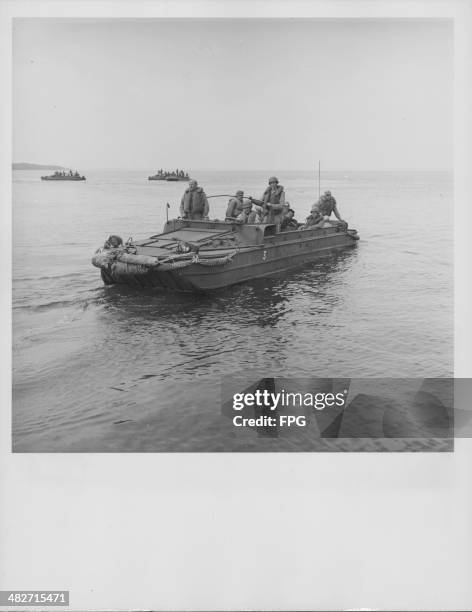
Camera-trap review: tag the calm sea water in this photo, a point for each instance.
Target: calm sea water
(100, 368)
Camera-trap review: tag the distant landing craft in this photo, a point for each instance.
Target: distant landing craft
(175, 175)
(64, 176)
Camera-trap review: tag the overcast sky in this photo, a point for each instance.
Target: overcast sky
(233, 94)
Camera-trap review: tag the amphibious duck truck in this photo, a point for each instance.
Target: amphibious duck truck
(193, 255)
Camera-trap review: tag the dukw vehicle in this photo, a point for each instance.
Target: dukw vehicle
(205, 255)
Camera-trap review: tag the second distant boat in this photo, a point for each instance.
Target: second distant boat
(64, 176)
(162, 175)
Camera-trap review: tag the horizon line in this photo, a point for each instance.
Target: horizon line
(315, 172)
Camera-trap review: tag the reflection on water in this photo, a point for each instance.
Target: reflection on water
(263, 302)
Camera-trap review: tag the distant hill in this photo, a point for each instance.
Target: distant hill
(26, 166)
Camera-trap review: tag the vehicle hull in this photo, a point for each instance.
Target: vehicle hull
(278, 253)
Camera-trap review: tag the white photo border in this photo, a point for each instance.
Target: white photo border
(205, 531)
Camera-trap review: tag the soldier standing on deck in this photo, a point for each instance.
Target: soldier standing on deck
(194, 203)
(274, 202)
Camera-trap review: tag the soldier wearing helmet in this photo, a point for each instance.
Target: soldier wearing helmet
(235, 205)
(325, 206)
(194, 203)
(274, 202)
(243, 216)
(289, 222)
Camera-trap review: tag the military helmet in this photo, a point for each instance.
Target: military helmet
(273, 179)
(113, 242)
(327, 193)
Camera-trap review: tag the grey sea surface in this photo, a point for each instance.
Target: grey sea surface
(115, 369)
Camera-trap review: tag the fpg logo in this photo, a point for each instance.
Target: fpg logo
(287, 420)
